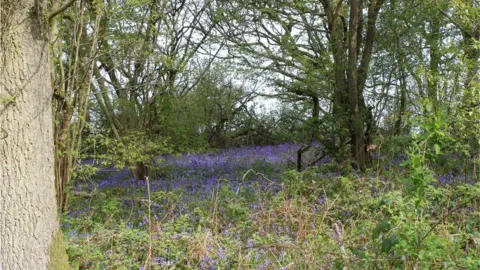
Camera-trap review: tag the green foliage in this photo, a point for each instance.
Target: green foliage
(409, 220)
(180, 120)
(119, 246)
(233, 208)
(133, 149)
(381, 227)
(84, 171)
(155, 81)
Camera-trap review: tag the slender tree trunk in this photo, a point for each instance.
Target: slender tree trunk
(471, 97)
(69, 134)
(105, 98)
(355, 92)
(402, 104)
(62, 164)
(105, 111)
(433, 41)
(29, 230)
(472, 56)
(316, 118)
(402, 69)
(337, 27)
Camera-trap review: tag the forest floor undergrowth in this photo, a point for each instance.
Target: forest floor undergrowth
(247, 208)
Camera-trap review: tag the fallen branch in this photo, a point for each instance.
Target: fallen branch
(85, 194)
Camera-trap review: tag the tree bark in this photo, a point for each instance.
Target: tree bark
(351, 71)
(355, 92)
(316, 118)
(472, 56)
(434, 41)
(106, 98)
(29, 228)
(402, 104)
(402, 97)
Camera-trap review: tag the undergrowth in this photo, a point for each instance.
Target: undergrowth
(241, 211)
(313, 222)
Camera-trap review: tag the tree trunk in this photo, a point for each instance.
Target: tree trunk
(472, 56)
(316, 118)
(29, 230)
(402, 104)
(62, 162)
(432, 82)
(351, 70)
(337, 27)
(141, 171)
(105, 111)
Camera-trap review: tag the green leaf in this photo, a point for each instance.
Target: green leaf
(389, 243)
(384, 226)
(405, 163)
(358, 252)
(339, 263)
(437, 149)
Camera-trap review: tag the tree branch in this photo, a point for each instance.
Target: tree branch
(59, 10)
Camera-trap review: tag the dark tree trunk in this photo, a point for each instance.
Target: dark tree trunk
(402, 106)
(141, 171)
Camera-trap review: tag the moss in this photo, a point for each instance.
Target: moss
(58, 254)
